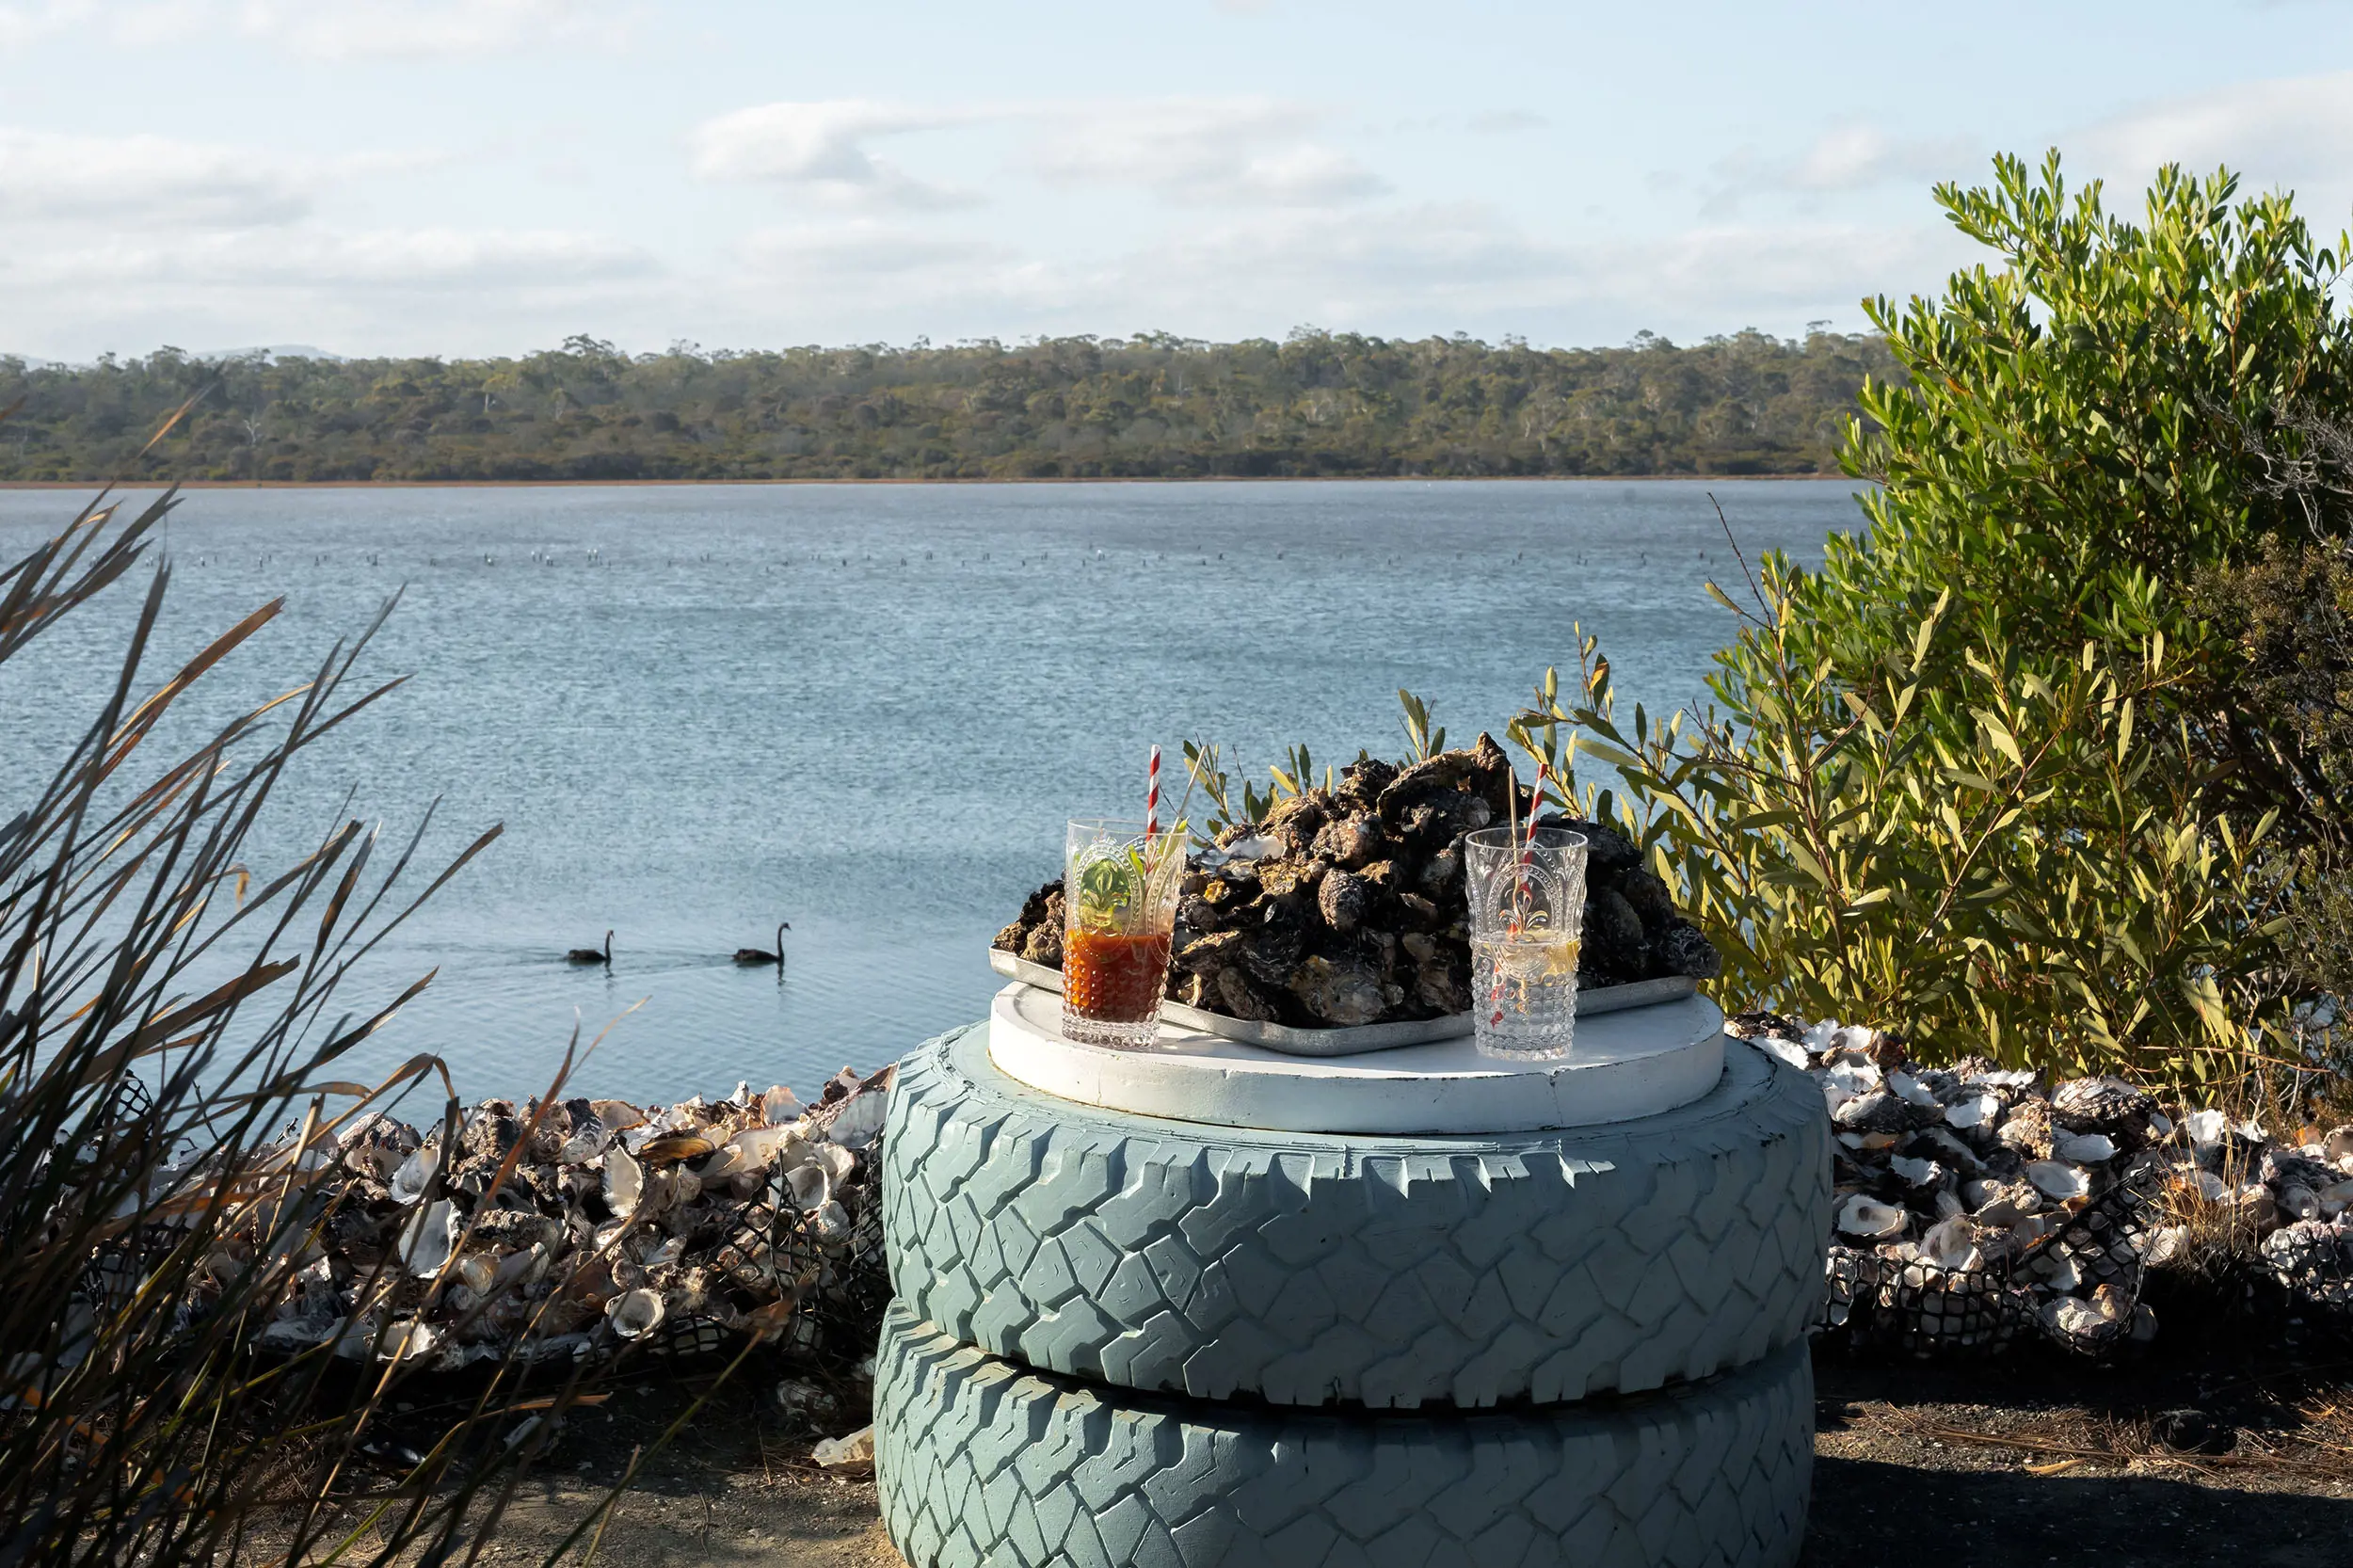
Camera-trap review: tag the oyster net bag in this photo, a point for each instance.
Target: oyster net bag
(1917, 1307)
(2105, 1243)
(841, 1284)
(118, 1265)
(2078, 1286)
(2310, 1269)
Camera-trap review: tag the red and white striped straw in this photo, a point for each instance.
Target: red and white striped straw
(1152, 798)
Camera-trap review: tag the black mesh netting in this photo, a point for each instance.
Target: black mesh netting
(838, 1284)
(2308, 1268)
(2078, 1284)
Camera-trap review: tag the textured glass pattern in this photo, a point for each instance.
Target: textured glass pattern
(1119, 902)
(1526, 915)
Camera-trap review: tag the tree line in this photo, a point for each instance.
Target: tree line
(1316, 404)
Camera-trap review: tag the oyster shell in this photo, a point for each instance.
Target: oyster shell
(1344, 900)
(408, 1340)
(1874, 1112)
(2083, 1148)
(1870, 1218)
(1952, 1244)
(854, 1452)
(426, 1240)
(624, 1182)
(809, 1187)
(2000, 1203)
(584, 1142)
(2071, 1318)
(2027, 1127)
(412, 1175)
(2057, 1180)
(1339, 994)
(860, 1120)
(1982, 1109)
(751, 1149)
(1911, 1091)
(635, 1313)
(2107, 1104)
(672, 1147)
(1917, 1172)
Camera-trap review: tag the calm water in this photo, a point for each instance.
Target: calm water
(866, 710)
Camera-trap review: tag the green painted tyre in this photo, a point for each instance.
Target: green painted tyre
(1389, 1273)
(983, 1463)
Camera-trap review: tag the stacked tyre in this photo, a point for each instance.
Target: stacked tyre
(1120, 1339)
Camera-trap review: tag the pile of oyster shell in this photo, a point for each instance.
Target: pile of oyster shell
(1971, 1200)
(1346, 907)
(679, 1227)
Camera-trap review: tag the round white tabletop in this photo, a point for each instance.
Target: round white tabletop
(1636, 1062)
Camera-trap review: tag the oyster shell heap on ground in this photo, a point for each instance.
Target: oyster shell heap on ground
(1346, 907)
(1975, 1201)
(596, 1225)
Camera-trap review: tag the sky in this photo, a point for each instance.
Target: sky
(489, 176)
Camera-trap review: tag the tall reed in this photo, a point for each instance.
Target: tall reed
(170, 1020)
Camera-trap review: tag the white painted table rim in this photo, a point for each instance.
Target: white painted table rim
(1626, 1065)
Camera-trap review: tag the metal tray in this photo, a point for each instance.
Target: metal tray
(1362, 1038)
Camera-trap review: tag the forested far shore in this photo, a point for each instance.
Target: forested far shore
(1316, 404)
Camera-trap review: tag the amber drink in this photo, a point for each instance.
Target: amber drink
(1119, 902)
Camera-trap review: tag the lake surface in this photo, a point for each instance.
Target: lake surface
(864, 708)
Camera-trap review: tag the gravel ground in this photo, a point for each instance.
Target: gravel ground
(2028, 1460)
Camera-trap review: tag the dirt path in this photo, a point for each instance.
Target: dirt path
(2047, 1462)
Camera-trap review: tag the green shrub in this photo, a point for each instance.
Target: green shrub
(2050, 892)
(2285, 626)
(1989, 774)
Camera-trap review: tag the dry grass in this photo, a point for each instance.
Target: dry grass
(2320, 1450)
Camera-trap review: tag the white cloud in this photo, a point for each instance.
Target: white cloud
(332, 29)
(145, 181)
(2294, 131)
(1841, 160)
(1771, 270)
(25, 24)
(817, 253)
(1196, 152)
(424, 290)
(1467, 263)
(342, 30)
(891, 279)
(317, 258)
(1413, 268)
(1854, 157)
(129, 240)
(1203, 151)
(820, 148)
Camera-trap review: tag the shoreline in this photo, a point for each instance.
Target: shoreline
(1153, 479)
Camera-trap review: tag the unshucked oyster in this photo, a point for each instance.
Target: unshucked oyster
(1345, 906)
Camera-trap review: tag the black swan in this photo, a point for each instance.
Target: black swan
(753, 955)
(590, 955)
